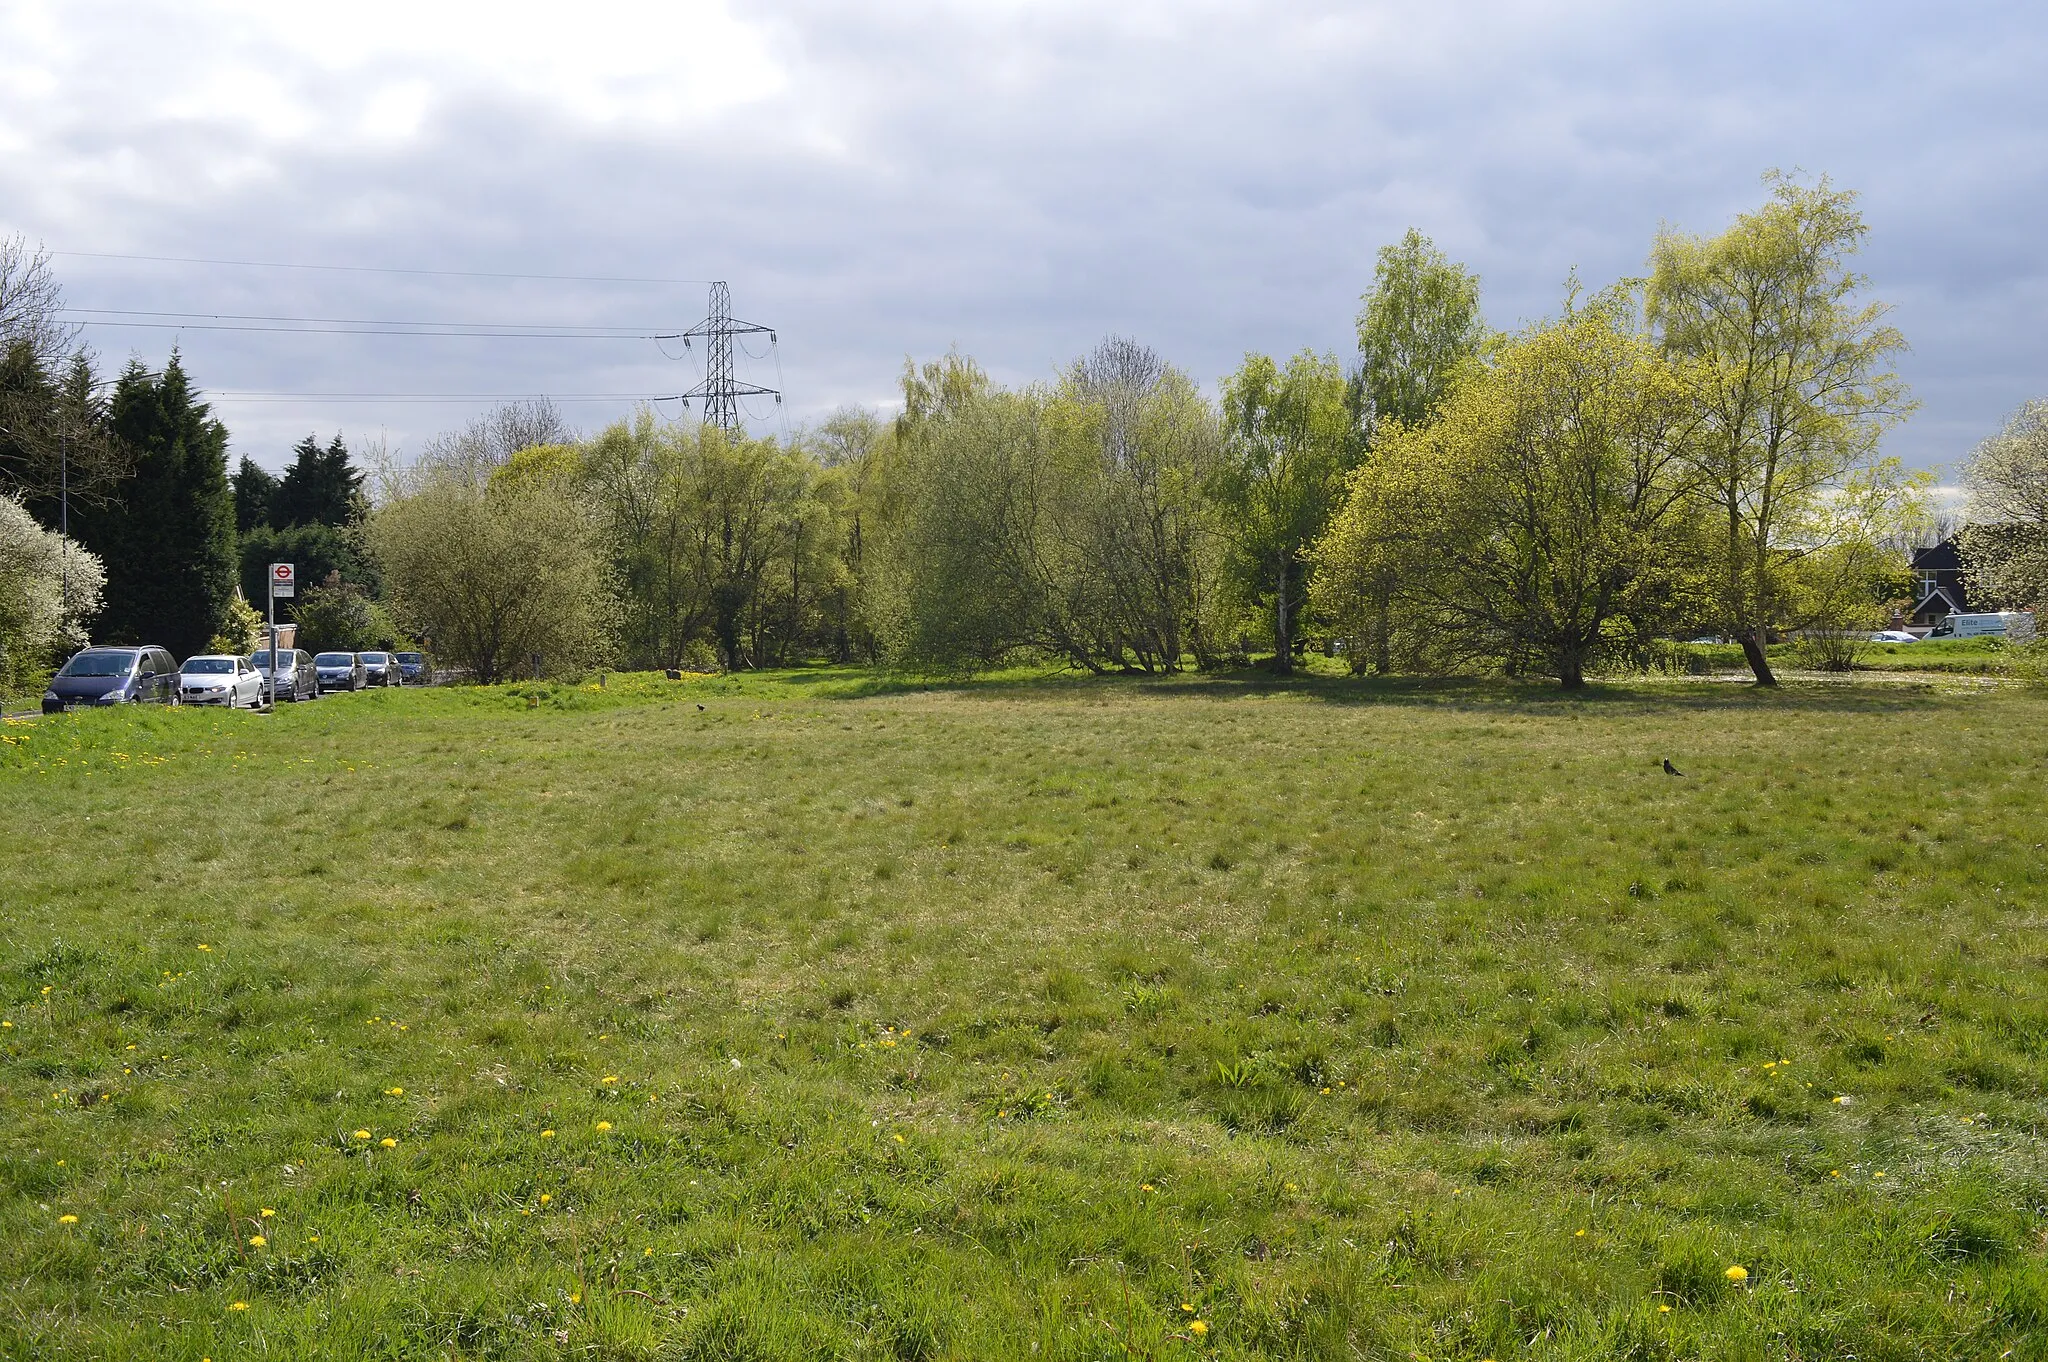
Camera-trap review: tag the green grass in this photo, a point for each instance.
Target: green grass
(1954, 656)
(1008, 1019)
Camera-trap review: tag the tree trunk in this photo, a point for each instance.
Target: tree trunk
(1759, 661)
(1571, 671)
(1283, 637)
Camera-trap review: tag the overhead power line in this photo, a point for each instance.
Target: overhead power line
(86, 313)
(260, 397)
(506, 334)
(373, 269)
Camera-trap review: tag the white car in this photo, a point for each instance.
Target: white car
(216, 680)
(1894, 636)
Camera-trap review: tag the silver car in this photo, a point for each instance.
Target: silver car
(217, 679)
(295, 679)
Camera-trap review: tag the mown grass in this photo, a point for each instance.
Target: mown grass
(854, 1016)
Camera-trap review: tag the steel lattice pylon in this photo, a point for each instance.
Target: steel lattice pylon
(721, 391)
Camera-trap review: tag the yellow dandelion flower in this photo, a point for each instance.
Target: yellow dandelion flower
(1578, 1234)
(1197, 1328)
(1188, 1308)
(547, 1134)
(257, 1241)
(546, 1197)
(394, 1092)
(1144, 1186)
(1736, 1273)
(67, 1220)
(575, 1298)
(312, 1238)
(266, 1213)
(362, 1134)
(388, 1143)
(1663, 1309)
(239, 1305)
(647, 1253)
(897, 1138)
(609, 1078)
(604, 1125)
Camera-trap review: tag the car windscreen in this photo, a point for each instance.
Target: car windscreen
(335, 660)
(209, 666)
(261, 661)
(410, 657)
(374, 659)
(99, 663)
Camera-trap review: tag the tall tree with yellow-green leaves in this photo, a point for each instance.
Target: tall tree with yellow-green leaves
(1788, 376)
(1538, 522)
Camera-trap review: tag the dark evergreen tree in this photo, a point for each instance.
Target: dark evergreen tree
(320, 487)
(255, 490)
(169, 544)
(318, 551)
(27, 401)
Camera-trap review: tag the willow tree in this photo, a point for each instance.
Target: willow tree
(2008, 537)
(1789, 380)
(1540, 516)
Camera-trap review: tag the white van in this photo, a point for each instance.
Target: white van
(2019, 624)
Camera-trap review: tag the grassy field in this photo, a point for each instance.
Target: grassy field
(817, 1016)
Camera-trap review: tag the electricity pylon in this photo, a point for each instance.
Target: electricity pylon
(720, 391)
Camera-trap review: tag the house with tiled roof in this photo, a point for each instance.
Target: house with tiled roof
(1940, 584)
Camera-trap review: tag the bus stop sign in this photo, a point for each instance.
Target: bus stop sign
(283, 580)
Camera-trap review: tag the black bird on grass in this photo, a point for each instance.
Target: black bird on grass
(700, 710)
(1671, 770)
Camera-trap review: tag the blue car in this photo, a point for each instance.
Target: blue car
(113, 676)
(412, 669)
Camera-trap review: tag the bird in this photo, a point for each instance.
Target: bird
(700, 709)
(1671, 770)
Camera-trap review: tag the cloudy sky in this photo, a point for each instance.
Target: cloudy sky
(1017, 179)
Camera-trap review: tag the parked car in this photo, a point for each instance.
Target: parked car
(295, 678)
(379, 669)
(338, 671)
(413, 669)
(113, 676)
(219, 679)
(1894, 636)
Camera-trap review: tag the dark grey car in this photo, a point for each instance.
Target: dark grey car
(380, 669)
(338, 671)
(295, 679)
(113, 676)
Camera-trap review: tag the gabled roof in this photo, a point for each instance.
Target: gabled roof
(1939, 593)
(1942, 557)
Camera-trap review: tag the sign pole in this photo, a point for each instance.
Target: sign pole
(283, 582)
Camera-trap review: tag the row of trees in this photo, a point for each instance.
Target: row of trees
(1693, 451)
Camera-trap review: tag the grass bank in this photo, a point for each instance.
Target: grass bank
(836, 1015)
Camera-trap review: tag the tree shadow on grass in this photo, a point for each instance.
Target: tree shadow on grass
(1456, 692)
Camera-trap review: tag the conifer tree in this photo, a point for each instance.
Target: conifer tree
(255, 491)
(320, 487)
(169, 544)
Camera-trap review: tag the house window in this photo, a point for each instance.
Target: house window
(1929, 584)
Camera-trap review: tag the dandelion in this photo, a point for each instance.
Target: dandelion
(204, 947)
(257, 1241)
(362, 1134)
(647, 1253)
(1197, 1328)
(1189, 1309)
(609, 1078)
(312, 1238)
(267, 1213)
(388, 1143)
(547, 1134)
(575, 1298)
(546, 1197)
(239, 1305)
(897, 1138)
(1144, 1186)
(67, 1220)
(1578, 1234)
(394, 1092)
(1664, 1309)
(47, 989)
(604, 1125)
(1736, 1273)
